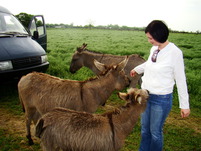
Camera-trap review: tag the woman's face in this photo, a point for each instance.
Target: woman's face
(151, 40)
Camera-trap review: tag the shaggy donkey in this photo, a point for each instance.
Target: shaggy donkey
(84, 57)
(39, 92)
(70, 130)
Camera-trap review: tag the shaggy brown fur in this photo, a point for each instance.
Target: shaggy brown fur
(79, 131)
(40, 92)
(83, 57)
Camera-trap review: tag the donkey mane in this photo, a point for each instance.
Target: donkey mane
(95, 52)
(83, 48)
(103, 54)
(97, 77)
(84, 81)
(118, 110)
(92, 51)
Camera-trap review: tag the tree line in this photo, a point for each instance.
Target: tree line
(26, 18)
(110, 26)
(90, 26)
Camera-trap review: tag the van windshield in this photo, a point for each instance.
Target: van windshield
(9, 24)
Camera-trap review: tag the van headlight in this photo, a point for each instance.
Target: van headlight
(44, 59)
(6, 65)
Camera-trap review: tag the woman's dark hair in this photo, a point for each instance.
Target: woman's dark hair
(158, 30)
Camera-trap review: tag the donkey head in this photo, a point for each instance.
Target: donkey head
(77, 59)
(135, 96)
(115, 73)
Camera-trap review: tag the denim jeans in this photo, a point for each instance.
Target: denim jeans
(152, 121)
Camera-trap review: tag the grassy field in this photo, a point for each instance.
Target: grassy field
(179, 134)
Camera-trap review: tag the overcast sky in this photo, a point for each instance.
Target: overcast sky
(181, 15)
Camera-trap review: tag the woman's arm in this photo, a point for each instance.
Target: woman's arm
(138, 70)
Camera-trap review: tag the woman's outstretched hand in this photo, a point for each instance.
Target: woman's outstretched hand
(133, 73)
(185, 112)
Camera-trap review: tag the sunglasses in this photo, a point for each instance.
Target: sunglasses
(154, 56)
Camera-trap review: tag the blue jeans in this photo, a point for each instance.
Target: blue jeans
(152, 120)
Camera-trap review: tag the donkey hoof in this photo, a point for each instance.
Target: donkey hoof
(31, 142)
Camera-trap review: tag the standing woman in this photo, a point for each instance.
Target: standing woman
(164, 67)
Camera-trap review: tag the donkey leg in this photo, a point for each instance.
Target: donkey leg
(28, 127)
(136, 81)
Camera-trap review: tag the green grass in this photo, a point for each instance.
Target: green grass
(179, 136)
(9, 98)
(180, 143)
(10, 142)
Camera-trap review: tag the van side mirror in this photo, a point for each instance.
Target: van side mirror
(35, 35)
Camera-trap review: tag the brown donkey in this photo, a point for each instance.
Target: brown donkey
(84, 57)
(39, 92)
(64, 129)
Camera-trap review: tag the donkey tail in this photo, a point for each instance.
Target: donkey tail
(22, 104)
(39, 128)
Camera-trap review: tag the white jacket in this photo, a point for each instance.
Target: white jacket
(160, 76)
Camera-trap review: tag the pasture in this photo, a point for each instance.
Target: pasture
(179, 134)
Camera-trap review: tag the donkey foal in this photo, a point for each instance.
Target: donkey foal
(70, 130)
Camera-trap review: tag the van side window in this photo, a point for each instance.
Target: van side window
(37, 25)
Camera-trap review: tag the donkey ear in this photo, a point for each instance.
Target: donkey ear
(138, 98)
(79, 49)
(84, 46)
(123, 96)
(122, 64)
(100, 66)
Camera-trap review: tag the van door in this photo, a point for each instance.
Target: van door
(37, 30)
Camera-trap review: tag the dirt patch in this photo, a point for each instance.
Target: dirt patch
(189, 122)
(15, 125)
